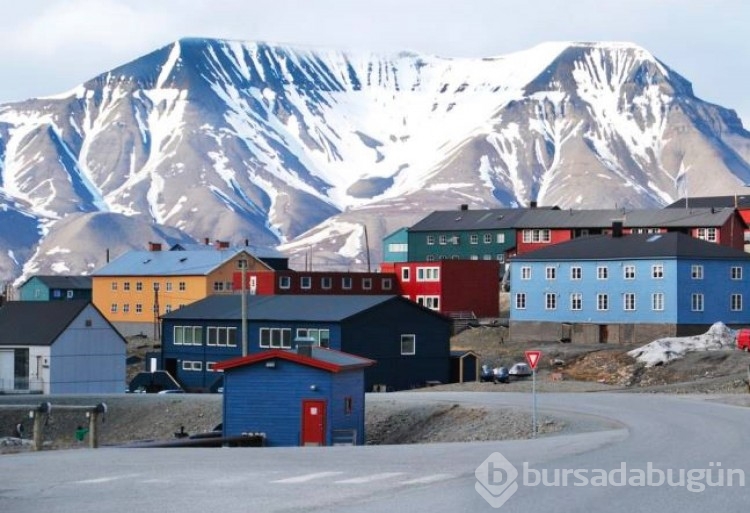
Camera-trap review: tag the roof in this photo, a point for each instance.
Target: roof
(21, 321)
(257, 251)
(63, 282)
(285, 307)
(485, 219)
(737, 201)
(168, 263)
(637, 246)
(322, 358)
(656, 218)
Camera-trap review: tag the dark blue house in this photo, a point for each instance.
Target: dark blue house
(55, 288)
(410, 343)
(311, 396)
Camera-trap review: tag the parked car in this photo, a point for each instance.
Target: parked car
(520, 369)
(495, 375)
(743, 339)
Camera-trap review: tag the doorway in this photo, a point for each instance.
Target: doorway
(313, 422)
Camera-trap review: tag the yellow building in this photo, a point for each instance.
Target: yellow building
(135, 289)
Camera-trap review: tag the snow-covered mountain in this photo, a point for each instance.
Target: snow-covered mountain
(316, 150)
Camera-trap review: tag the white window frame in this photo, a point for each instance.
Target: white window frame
(487, 238)
(576, 272)
(275, 338)
(474, 238)
(346, 282)
(697, 303)
(628, 302)
(657, 271)
(602, 302)
(735, 302)
(526, 272)
(628, 272)
(550, 272)
(736, 272)
(431, 302)
(696, 272)
(430, 240)
(405, 273)
(285, 282)
(657, 301)
(326, 282)
(708, 234)
(366, 283)
(500, 238)
(305, 282)
(520, 301)
(386, 283)
(550, 301)
(602, 272)
(408, 340)
(576, 301)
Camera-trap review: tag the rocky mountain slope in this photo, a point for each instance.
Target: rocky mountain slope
(317, 151)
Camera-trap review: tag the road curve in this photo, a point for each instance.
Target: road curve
(638, 432)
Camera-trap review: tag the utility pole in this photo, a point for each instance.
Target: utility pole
(156, 312)
(243, 308)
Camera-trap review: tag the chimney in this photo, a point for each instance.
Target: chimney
(464, 206)
(154, 246)
(247, 242)
(304, 348)
(616, 229)
(532, 204)
(206, 241)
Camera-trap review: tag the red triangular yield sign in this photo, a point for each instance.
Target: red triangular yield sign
(532, 357)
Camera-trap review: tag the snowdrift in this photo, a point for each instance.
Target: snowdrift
(719, 337)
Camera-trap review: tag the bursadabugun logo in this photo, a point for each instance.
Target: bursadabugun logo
(496, 479)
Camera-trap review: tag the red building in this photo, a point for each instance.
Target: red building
(451, 286)
(318, 282)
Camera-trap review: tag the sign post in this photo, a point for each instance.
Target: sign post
(532, 358)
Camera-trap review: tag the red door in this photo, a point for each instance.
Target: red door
(313, 422)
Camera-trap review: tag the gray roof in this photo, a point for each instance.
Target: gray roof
(639, 246)
(63, 282)
(36, 323)
(736, 201)
(167, 263)
(313, 308)
(464, 220)
(257, 251)
(642, 218)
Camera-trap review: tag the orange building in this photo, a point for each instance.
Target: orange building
(135, 289)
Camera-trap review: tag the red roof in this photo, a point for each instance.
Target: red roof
(325, 359)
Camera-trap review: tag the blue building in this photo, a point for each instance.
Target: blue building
(396, 246)
(629, 289)
(55, 288)
(410, 343)
(311, 396)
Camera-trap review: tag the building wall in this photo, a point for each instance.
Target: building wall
(369, 336)
(88, 357)
(312, 282)
(587, 333)
(717, 286)
(556, 236)
(396, 246)
(458, 245)
(34, 290)
(278, 392)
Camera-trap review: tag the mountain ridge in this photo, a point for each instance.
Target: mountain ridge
(305, 148)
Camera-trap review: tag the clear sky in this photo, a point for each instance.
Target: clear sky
(50, 46)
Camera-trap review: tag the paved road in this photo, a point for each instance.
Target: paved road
(669, 432)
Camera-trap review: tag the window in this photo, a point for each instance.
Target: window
(696, 272)
(218, 286)
(576, 301)
(628, 301)
(386, 283)
(210, 366)
(322, 337)
(126, 308)
(657, 271)
(139, 286)
(430, 240)
(221, 336)
(126, 286)
(56, 293)
(69, 294)
(474, 238)
(408, 344)
(736, 272)
(500, 257)
(708, 234)
(188, 365)
(696, 302)
(521, 301)
(500, 238)
(442, 240)
(168, 286)
(550, 301)
(181, 286)
(628, 272)
(736, 303)
(242, 263)
(168, 309)
(276, 337)
(346, 282)
(431, 302)
(285, 282)
(114, 285)
(398, 247)
(348, 405)
(138, 308)
(602, 302)
(602, 272)
(428, 274)
(525, 273)
(188, 335)
(113, 308)
(576, 273)
(657, 301)
(536, 235)
(156, 285)
(366, 283)
(326, 282)
(488, 238)
(405, 274)
(550, 272)
(305, 282)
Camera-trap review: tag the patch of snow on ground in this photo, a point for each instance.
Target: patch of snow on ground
(719, 337)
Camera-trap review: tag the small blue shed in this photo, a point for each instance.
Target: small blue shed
(311, 396)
